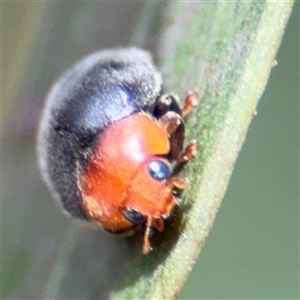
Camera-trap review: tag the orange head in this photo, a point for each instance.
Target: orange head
(128, 180)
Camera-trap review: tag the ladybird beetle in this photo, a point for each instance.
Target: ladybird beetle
(107, 139)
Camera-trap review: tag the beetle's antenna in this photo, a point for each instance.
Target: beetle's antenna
(146, 246)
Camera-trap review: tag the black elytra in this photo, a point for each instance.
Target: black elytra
(100, 89)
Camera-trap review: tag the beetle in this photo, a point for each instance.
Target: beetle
(107, 138)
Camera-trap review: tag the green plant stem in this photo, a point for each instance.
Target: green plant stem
(225, 51)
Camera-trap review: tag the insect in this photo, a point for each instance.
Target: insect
(107, 139)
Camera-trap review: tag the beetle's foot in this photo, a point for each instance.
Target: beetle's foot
(189, 152)
(189, 103)
(178, 182)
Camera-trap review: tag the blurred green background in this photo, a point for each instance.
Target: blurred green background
(253, 249)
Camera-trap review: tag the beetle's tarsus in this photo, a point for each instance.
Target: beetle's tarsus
(189, 103)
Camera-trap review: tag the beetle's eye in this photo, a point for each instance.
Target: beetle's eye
(159, 170)
(133, 216)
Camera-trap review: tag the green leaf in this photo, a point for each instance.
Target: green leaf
(225, 51)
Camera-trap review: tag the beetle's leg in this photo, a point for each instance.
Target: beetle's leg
(189, 151)
(173, 125)
(165, 103)
(190, 102)
(178, 182)
(170, 102)
(170, 121)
